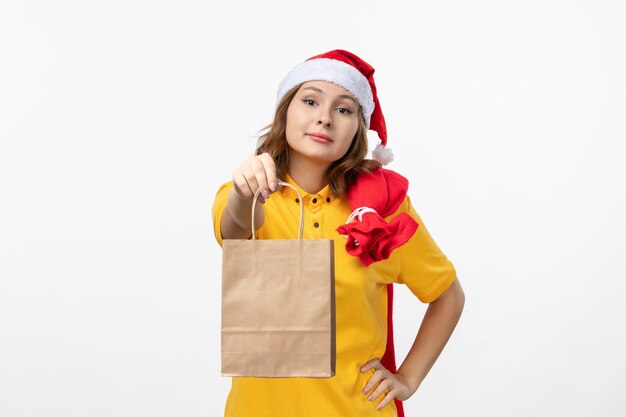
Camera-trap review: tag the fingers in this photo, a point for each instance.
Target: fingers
(381, 382)
(372, 363)
(383, 387)
(270, 170)
(243, 187)
(256, 173)
(391, 395)
(375, 379)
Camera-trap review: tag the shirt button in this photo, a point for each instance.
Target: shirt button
(316, 224)
(328, 199)
(297, 200)
(314, 200)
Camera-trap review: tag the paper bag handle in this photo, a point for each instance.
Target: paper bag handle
(256, 195)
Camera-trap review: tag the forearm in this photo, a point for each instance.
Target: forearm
(237, 217)
(438, 324)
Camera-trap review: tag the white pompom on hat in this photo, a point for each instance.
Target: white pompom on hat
(355, 75)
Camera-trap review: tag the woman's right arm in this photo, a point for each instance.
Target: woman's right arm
(257, 172)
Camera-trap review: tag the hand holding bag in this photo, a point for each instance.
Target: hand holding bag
(278, 306)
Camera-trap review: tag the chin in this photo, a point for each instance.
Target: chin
(319, 155)
(324, 156)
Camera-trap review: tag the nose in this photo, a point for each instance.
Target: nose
(324, 118)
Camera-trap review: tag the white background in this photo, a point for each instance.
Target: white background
(120, 119)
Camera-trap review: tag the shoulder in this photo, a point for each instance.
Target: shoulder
(221, 196)
(397, 188)
(224, 188)
(219, 205)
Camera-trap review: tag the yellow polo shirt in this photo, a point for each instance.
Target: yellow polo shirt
(361, 307)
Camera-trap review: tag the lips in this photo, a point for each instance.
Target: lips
(320, 137)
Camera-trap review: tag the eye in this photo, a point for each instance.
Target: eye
(309, 102)
(343, 110)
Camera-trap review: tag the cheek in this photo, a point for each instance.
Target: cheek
(349, 134)
(292, 120)
(289, 124)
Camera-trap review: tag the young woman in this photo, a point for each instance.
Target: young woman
(318, 143)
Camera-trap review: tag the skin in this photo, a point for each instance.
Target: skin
(323, 108)
(437, 325)
(319, 107)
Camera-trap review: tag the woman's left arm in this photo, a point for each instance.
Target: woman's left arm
(438, 324)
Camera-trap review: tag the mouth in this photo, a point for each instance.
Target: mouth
(319, 137)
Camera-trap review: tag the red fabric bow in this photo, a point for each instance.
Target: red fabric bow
(371, 238)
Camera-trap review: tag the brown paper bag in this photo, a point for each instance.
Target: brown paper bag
(278, 306)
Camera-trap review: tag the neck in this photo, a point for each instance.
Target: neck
(309, 175)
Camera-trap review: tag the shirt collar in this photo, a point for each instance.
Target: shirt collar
(325, 194)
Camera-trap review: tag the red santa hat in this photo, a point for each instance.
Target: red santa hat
(355, 75)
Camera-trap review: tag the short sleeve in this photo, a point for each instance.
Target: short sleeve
(219, 204)
(424, 268)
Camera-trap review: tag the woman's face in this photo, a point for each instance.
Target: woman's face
(322, 120)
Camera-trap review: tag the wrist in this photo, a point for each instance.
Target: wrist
(239, 209)
(412, 382)
(235, 197)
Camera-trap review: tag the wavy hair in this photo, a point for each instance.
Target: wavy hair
(341, 173)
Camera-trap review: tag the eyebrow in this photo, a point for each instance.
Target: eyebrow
(341, 95)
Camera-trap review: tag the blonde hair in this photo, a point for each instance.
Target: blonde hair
(341, 173)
